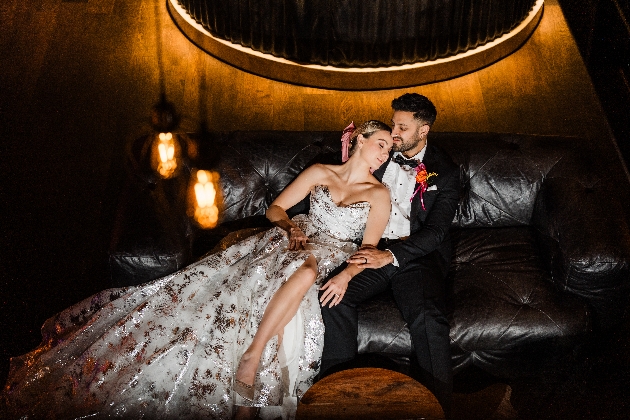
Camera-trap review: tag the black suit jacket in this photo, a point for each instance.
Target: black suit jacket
(430, 226)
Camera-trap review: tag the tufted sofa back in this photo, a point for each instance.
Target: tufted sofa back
(256, 166)
(502, 175)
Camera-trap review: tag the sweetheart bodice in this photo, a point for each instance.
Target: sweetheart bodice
(344, 222)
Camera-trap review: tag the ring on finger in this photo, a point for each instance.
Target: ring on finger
(365, 258)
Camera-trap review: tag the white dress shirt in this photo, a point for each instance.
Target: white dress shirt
(401, 182)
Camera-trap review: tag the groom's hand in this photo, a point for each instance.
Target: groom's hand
(370, 257)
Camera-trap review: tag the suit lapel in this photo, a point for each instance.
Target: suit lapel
(432, 163)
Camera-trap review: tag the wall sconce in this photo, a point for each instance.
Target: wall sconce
(205, 198)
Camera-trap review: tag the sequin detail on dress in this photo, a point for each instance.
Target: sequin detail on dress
(169, 348)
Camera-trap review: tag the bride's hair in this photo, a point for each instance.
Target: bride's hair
(367, 129)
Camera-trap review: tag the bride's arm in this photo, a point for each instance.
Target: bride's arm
(278, 216)
(291, 195)
(380, 208)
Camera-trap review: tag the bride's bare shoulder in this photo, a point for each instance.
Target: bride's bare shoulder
(317, 170)
(320, 174)
(378, 191)
(329, 172)
(327, 167)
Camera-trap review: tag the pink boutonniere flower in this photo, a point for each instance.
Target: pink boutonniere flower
(422, 179)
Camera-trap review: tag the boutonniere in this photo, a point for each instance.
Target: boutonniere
(422, 179)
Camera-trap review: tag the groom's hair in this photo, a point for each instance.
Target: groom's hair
(422, 108)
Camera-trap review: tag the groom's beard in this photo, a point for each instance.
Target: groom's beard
(403, 146)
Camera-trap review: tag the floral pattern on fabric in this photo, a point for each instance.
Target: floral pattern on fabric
(169, 348)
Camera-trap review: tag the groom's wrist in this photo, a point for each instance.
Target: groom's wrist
(394, 261)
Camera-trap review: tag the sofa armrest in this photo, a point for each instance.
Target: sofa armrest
(584, 230)
(151, 236)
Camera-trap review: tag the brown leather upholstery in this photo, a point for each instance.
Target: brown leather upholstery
(541, 239)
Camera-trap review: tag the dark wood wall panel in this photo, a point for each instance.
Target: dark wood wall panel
(602, 33)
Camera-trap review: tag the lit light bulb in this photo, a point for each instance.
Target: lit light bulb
(202, 176)
(167, 163)
(162, 150)
(206, 208)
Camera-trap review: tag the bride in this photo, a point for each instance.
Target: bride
(237, 330)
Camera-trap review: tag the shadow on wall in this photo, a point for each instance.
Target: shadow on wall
(602, 33)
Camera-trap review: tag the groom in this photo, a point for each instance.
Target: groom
(413, 256)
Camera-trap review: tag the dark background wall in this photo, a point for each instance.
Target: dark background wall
(601, 29)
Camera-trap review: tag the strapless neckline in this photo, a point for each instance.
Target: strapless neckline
(341, 205)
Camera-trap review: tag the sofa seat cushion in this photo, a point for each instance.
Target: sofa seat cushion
(504, 299)
(382, 328)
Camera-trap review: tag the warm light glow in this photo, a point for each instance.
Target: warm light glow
(355, 78)
(167, 159)
(202, 176)
(206, 203)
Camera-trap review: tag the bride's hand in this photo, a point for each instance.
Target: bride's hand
(334, 290)
(297, 239)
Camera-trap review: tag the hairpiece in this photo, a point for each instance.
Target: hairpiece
(345, 141)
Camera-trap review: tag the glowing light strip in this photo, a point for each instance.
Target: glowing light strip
(470, 54)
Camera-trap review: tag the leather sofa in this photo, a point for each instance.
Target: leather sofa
(541, 257)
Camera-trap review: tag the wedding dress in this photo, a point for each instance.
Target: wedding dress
(169, 348)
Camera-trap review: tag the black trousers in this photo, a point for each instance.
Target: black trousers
(419, 292)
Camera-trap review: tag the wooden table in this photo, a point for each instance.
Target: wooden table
(368, 393)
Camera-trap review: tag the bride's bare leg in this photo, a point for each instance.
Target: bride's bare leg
(282, 307)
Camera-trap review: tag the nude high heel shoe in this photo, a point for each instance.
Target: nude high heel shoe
(244, 390)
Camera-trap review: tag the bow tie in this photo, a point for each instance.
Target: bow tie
(402, 161)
